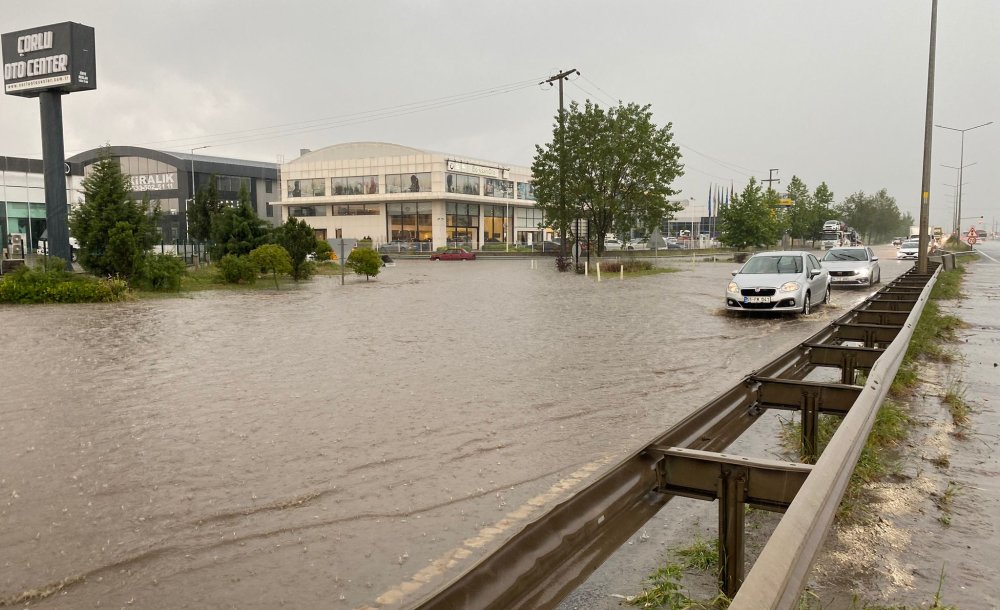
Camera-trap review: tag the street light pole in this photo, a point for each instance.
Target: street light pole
(958, 194)
(961, 165)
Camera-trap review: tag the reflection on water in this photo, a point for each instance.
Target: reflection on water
(322, 446)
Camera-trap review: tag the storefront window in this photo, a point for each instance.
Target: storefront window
(315, 187)
(493, 222)
(463, 225)
(410, 222)
(526, 190)
(460, 183)
(498, 188)
(408, 183)
(355, 185)
(528, 218)
(307, 210)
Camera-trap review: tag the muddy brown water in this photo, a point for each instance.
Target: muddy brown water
(339, 446)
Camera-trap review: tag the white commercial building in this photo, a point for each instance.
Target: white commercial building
(410, 199)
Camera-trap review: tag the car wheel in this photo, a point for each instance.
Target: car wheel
(806, 305)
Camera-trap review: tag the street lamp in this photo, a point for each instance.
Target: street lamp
(961, 161)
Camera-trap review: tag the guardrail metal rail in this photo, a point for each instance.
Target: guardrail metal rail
(551, 556)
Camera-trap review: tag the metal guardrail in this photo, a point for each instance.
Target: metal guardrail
(554, 554)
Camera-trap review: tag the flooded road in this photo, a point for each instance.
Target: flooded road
(339, 446)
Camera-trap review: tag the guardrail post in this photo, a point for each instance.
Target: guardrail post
(810, 425)
(732, 491)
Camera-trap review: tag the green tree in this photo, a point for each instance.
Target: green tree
(299, 240)
(237, 230)
(365, 262)
(273, 258)
(203, 210)
(108, 211)
(749, 220)
(323, 250)
(618, 168)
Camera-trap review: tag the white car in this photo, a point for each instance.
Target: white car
(612, 244)
(852, 266)
(637, 244)
(909, 249)
(779, 281)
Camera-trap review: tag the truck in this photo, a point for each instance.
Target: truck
(938, 234)
(834, 239)
(914, 232)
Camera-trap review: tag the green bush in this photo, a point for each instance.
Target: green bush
(162, 272)
(631, 266)
(50, 284)
(364, 262)
(236, 269)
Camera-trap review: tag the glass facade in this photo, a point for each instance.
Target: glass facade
(498, 188)
(463, 225)
(307, 187)
(409, 222)
(528, 218)
(526, 190)
(357, 209)
(355, 185)
(307, 210)
(494, 222)
(408, 183)
(460, 183)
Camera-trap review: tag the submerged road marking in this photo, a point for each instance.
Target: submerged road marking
(487, 534)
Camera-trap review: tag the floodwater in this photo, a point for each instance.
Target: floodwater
(339, 446)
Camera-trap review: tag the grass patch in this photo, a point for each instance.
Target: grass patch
(954, 399)
(664, 588)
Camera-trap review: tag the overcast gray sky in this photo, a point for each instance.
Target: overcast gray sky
(828, 91)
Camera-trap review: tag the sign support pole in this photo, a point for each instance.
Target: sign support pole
(53, 164)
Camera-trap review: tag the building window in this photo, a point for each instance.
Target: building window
(409, 222)
(270, 209)
(494, 222)
(232, 184)
(306, 187)
(357, 209)
(268, 186)
(528, 218)
(463, 225)
(355, 185)
(408, 183)
(526, 190)
(460, 183)
(307, 210)
(498, 188)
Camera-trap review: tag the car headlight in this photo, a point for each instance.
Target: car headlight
(733, 287)
(861, 272)
(789, 287)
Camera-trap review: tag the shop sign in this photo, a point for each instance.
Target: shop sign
(478, 170)
(153, 182)
(56, 57)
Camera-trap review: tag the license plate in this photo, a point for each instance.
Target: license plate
(756, 299)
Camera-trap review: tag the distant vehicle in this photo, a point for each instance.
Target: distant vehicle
(915, 232)
(784, 281)
(43, 246)
(672, 245)
(639, 243)
(612, 244)
(835, 226)
(908, 249)
(548, 246)
(834, 239)
(897, 241)
(454, 254)
(397, 246)
(852, 266)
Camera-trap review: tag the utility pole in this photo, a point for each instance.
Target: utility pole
(925, 183)
(770, 178)
(958, 195)
(562, 173)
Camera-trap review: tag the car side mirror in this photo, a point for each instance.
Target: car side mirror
(735, 272)
(815, 272)
(874, 258)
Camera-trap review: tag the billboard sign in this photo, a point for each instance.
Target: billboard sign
(56, 57)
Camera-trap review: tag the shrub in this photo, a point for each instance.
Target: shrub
(274, 258)
(46, 285)
(236, 269)
(364, 262)
(162, 272)
(323, 250)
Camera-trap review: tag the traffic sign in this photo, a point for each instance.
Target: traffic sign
(971, 239)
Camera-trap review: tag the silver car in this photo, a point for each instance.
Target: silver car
(908, 249)
(852, 266)
(779, 281)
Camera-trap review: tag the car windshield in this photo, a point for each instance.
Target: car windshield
(773, 264)
(854, 254)
(911, 244)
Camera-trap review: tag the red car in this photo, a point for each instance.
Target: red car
(454, 254)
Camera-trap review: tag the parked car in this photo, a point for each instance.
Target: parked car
(639, 243)
(549, 246)
(454, 254)
(779, 281)
(852, 266)
(908, 249)
(612, 244)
